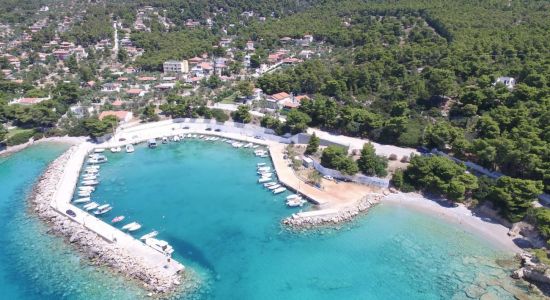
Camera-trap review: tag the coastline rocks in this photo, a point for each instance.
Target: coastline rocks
(346, 214)
(89, 244)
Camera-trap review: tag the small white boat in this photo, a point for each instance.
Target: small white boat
(129, 148)
(293, 196)
(86, 188)
(176, 138)
(164, 140)
(98, 160)
(152, 143)
(275, 186)
(116, 149)
(295, 202)
(264, 179)
(90, 182)
(159, 245)
(264, 169)
(90, 206)
(255, 146)
(149, 235)
(200, 136)
(265, 174)
(117, 219)
(279, 190)
(84, 194)
(89, 177)
(248, 145)
(131, 226)
(82, 200)
(99, 150)
(260, 165)
(264, 156)
(270, 183)
(94, 167)
(189, 135)
(103, 209)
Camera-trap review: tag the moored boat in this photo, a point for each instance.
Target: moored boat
(99, 150)
(279, 190)
(90, 206)
(270, 183)
(264, 179)
(117, 219)
(115, 149)
(272, 187)
(132, 226)
(152, 143)
(295, 202)
(159, 245)
(90, 182)
(129, 148)
(82, 200)
(103, 209)
(149, 235)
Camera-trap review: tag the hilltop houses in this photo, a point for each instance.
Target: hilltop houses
(509, 82)
(175, 67)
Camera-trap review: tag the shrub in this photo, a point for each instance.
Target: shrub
(392, 157)
(20, 138)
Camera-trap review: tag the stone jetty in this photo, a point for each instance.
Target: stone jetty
(331, 216)
(95, 248)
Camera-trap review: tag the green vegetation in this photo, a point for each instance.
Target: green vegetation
(335, 157)
(242, 114)
(514, 196)
(439, 175)
(313, 145)
(98, 128)
(371, 164)
(20, 137)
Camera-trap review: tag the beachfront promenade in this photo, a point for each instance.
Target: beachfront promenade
(62, 203)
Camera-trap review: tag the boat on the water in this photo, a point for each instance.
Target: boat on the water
(82, 200)
(293, 196)
(262, 169)
(102, 209)
(264, 179)
(132, 226)
(272, 187)
(260, 164)
(129, 148)
(152, 143)
(86, 188)
(84, 193)
(98, 160)
(279, 190)
(90, 182)
(159, 245)
(270, 183)
(117, 219)
(116, 149)
(90, 206)
(176, 138)
(248, 145)
(266, 174)
(99, 150)
(164, 140)
(149, 235)
(295, 202)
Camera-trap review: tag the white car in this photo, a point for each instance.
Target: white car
(328, 177)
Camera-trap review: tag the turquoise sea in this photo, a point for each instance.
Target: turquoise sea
(204, 200)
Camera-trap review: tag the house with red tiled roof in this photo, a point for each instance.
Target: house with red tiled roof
(146, 78)
(121, 115)
(278, 97)
(29, 101)
(135, 92)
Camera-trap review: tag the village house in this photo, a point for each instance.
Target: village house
(509, 82)
(175, 67)
(110, 87)
(249, 46)
(29, 101)
(225, 42)
(80, 111)
(122, 116)
(61, 54)
(136, 92)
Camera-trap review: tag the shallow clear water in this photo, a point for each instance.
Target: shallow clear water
(203, 199)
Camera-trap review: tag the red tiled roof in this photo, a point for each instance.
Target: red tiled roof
(280, 96)
(120, 115)
(134, 91)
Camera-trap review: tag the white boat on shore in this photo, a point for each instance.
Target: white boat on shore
(279, 190)
(149, 235)
(275, 186)
(132, 226)
(116, 149)
(129, 148)
(159, 245)
(90, 206)
(82, 200)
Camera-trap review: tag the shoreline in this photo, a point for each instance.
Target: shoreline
(71, 140)
(95, 248)
(494, 233)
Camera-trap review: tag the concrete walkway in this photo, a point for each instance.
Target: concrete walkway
(62, 202)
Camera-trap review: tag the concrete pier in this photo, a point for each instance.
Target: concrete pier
(61, 202)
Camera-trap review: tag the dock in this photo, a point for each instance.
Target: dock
(61, 202)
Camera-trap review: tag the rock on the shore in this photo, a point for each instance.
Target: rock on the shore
(93, 247)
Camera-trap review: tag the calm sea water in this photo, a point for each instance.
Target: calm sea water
(203, 199)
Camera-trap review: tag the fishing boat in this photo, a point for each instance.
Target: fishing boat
(248, 145)
(117, 219)
(82, 200)
(293, 196)
(152, 143)
(260, 164)
(149, 235)
(98, 160)
(255, 146)
(176, 138)
(270, 183)
(264, 179)
(164, 140)
(264, 156)
(86, 188)
(131, 226)
(266, 174)
(160, 245)
(99, 150)
(275, 186)
(89, 177)
(267, 169)
(279, 190)
(115, 149)
(90, 206)
(84, 194)
(129, 148)
(102, 209)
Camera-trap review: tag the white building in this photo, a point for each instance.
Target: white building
(174, 66)
(509, 82)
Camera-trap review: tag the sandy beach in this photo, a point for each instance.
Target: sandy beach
(72, 140)
(495, 233)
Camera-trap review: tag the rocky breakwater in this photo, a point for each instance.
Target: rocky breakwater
(97, 250)
(534, 271)
(331, 216)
